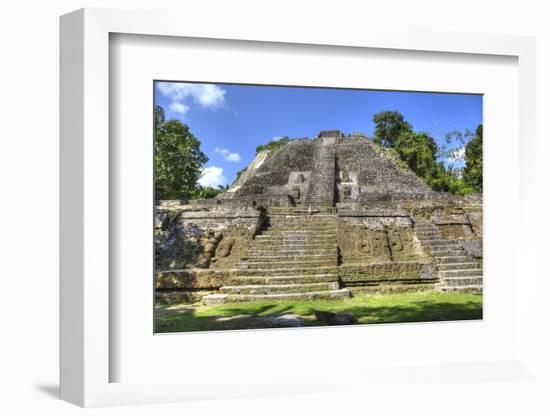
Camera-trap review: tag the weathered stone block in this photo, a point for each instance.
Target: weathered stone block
(411, 272)
(474, 248)
(190, 279)
(214, 299)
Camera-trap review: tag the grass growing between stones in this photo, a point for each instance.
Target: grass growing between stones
(368, 309)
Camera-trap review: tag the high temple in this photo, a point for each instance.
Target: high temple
(319, 218)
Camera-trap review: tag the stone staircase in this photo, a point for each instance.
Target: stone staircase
(321, 184)
(457, 271)
(295, 257)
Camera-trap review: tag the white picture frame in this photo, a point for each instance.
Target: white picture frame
(86, 356)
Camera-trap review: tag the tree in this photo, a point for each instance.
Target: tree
(419, 151)
(473, 170)
(388, 126)
(178, 158)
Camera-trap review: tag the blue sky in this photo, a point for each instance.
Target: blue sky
(231, 120)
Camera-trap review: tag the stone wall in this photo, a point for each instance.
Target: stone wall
(365, 238)
(388, 276)
(187, 238)
(190, 279)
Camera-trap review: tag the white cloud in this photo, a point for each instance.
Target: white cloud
(227, 154)
(212, 176)
(458, 154)
(207, 96)
(456, 157)
(178, 107)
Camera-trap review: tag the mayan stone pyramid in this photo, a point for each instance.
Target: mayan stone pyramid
(319, 218)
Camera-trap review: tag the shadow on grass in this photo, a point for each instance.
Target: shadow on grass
(243, 314)
(420, 311)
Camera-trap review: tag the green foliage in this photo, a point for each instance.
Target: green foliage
(448, 179)
(273, 145)
(473, 171)
(420, 153)
(388, 127)
(207, 192)
(178, 158)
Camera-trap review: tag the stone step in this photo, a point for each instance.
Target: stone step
(445, 252)
(462, 281)
(270, 256)
(428, 232)
(281, 288)
(313, 210)
(298, 248)
(321, 225)
(452, 259)
(285, 271)
(297, 234)
(291, 215)
(291, 250)
(430, 239)
(466, 289)
(316, 217)
(282, 280)
(293, 245)
(300, 230)
(440, 242)
(326, 294)
(294, 240)
(458, 266)
(443, 246)
(296, 237)
(289, 264)
(303, 224)
(288, 248)
(457, 250)
(461, 273)
(299, 223)
(303, 221)
(428, 235)
(284, 257)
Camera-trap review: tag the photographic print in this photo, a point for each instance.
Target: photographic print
(288, 206)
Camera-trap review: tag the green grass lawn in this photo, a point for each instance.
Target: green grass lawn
(368, 309)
